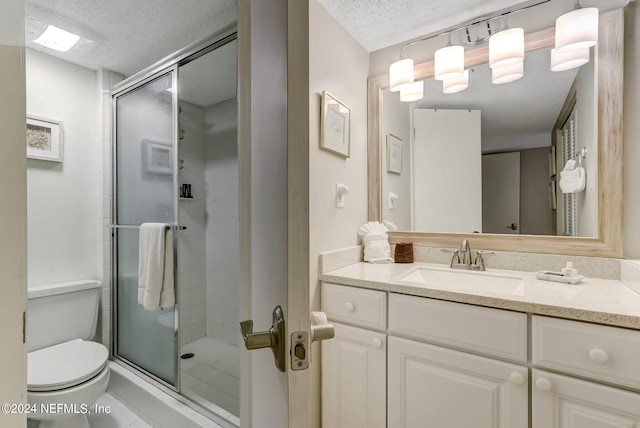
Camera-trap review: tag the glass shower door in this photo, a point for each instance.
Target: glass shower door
(145, 191)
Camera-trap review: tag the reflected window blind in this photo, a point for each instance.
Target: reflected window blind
(569, 209)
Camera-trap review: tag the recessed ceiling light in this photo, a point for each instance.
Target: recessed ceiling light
(57, 39)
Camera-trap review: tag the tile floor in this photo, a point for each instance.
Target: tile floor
(119, 415)
(212, 376)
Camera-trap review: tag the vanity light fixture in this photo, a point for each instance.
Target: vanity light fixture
(414, 92)
(508, 74)
(569, 60)
(401, 74)
(449, 62)
(506, 48)
(577, 30)
(452, 86)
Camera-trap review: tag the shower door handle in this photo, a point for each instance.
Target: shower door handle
(274, 338)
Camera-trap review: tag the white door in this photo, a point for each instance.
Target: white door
(430, 386)
(501, 193)
(564, 402)
(273, 156)
(354, 379)
(13, 211)
(447, 171)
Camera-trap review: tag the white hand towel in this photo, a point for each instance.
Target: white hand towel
(376, 242)
(155, 267)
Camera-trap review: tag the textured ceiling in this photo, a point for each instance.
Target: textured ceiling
(379, 23)
(134, 34)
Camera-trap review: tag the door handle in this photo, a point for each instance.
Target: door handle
(274, 338)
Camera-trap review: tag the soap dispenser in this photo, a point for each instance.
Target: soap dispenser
(569, 270)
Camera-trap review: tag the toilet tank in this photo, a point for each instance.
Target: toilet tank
(57, 313)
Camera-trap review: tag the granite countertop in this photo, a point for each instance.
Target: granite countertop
(595, 300)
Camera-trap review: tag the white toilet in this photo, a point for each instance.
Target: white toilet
(66, 372)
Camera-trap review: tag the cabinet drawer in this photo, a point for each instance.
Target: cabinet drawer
(483, 330)
(606, 353)
(357, 306)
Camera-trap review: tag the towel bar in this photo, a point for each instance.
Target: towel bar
(132, 226)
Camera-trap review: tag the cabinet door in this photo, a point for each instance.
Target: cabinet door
(563, 402)
(434, 387)
(354, 379)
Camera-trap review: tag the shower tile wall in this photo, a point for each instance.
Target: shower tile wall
(221, 176)
(191, 242)
(106, 80)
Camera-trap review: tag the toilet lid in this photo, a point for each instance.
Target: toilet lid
(64, 365)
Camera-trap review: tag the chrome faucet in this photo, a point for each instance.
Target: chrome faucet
(465, 251)
(463, 259)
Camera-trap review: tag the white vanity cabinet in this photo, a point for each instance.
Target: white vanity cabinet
(606, 354)
(354, 362)
(432, 386)
(402, 361)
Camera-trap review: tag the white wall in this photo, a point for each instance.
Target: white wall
(13, 212)
(632, 132)
(63, 197)
(338, 64)
(223, 266)
(396, 120)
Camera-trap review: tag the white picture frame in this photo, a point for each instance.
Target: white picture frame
(157, 157)
(44, 139)
(335, 125)
(394, 154)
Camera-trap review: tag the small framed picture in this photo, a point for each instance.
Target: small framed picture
(335, 125)
(394, 154)
(44, 139)
(157, 158)
(552, 161)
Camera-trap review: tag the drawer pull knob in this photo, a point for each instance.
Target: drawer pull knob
(349, 306)
(516, 379)
(543, 384)
(598, 356)
(377, 343)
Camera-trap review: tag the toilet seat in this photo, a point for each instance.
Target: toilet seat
(65, 365)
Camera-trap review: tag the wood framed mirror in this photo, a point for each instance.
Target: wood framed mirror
(608, 241)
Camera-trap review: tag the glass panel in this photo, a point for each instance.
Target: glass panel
(145, 193)
(208, 251)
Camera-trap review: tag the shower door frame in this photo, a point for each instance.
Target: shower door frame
(171, 70)
(169, 65)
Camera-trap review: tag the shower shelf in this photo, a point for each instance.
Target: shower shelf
(186, 199)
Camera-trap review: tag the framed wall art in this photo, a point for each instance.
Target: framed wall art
(335, 125)
(394, 154)
(44, 139)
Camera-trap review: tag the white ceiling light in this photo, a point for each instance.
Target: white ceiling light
(414, 92)
(506, 48)
(401, 74)
(569, 60)
(449, 62)
(507, 74)
(577, 29)
(451, 86)
(57, 39)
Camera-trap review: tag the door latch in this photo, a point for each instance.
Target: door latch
(274, 338)
(320, 330)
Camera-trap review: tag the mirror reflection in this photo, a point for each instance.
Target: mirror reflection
(491, 156)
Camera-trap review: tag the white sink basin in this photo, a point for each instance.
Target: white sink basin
(451, 279)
